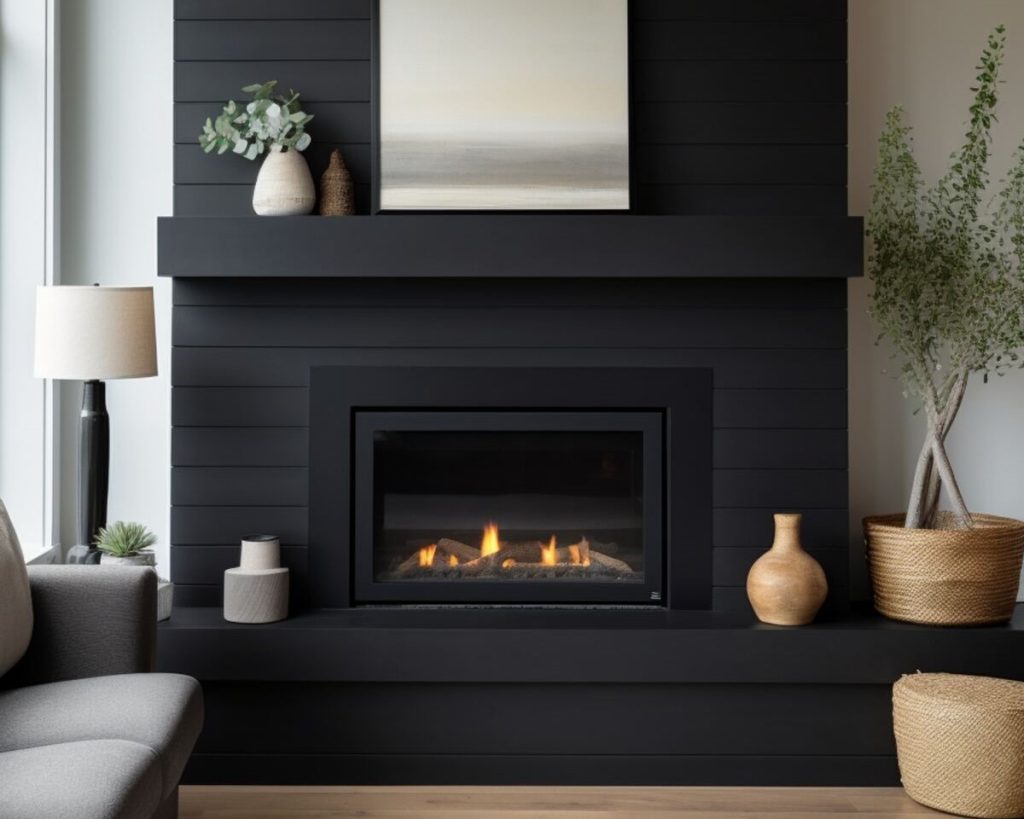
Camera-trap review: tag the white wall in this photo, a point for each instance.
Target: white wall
(922, 53)
(116, 146)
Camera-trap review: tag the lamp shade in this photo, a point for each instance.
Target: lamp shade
(94, 333)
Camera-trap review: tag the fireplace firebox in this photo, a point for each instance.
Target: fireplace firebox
(453, 486)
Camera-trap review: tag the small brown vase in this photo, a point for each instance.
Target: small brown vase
(786, 586)
(337, 197)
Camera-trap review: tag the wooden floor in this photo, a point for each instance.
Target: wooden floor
(544, 803)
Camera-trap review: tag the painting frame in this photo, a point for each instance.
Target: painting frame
(378, 206)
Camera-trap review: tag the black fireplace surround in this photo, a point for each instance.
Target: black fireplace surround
(600, 479)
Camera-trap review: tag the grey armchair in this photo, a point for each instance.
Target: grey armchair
(86, 731)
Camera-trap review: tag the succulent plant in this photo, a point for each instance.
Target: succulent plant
(122, 539)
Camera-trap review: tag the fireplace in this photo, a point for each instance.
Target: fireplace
(511, 485)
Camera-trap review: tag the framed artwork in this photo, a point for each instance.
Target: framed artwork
(501, 105)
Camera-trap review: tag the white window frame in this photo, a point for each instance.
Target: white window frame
(29, 232)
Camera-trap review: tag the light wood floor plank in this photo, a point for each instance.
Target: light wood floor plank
(215, 802)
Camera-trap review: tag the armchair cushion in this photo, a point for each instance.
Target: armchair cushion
(98, 779)
(15, 598)
(162, 712)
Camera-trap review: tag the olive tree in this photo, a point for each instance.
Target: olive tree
(946, 264)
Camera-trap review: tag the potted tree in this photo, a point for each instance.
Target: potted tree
(275, 126)
(946, 264)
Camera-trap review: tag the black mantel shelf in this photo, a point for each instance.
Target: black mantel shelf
(511, 246)
(576, 646)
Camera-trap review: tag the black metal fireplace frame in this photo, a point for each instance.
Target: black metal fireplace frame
(650, 424)
(681, 395)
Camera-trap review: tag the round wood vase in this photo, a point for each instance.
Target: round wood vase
(786, 586)
(337, 193)
(284, 185)
(945, 576)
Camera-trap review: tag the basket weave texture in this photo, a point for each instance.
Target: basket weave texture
(945, 576)
(960, 743)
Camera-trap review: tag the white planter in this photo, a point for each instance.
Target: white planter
(141, 559)
(284, 186)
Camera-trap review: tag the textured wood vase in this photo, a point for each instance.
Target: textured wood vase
(948, 575)
(284, 185)
(786, 586)
(256, 591)
(337, 197)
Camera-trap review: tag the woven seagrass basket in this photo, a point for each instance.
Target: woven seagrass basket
(960, 743)
(945, 576)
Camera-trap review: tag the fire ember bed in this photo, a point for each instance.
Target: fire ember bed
(449, 559)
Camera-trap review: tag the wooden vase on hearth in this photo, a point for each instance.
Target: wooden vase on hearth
(786, 586)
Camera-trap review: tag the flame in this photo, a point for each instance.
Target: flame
(427, 555)
(453, 560)
(549, 553)
(508, 563)
(574, 554)
(490, 545)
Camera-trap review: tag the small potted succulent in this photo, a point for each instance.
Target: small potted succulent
(947, 264)
(126, 544)
(271, 126)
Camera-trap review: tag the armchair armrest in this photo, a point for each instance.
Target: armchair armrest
(89, 621)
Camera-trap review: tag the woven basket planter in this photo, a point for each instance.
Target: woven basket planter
(948, 576)
(960, 743)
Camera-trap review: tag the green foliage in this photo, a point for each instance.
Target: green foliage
(947, 271)
(122, 539)
(947, 264)
(265, 122)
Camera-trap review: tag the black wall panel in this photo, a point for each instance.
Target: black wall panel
(739, 106)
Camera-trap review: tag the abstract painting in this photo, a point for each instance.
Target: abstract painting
(502, 105)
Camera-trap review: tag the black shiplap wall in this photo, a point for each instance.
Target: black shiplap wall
(739, 105)
(739, 108)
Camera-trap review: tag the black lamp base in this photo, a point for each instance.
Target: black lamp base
(93, 472)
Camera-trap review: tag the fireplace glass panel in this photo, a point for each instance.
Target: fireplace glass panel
(494, 506)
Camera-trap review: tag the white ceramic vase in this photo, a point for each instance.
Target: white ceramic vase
(284, 185)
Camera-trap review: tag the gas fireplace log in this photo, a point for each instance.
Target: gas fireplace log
(462, 551)
(612, 563)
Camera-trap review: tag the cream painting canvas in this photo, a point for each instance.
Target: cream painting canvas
(503, 105)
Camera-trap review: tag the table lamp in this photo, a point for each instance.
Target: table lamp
(94, 334)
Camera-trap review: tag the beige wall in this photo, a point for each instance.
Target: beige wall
(922, 53)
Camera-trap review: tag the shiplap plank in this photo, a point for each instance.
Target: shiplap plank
(317, 81)
(506, 327)
(739, 80)
(781, 449)
(737, 10)
(742, 164)
(779, 488)
(766, 39)
(734, 369)
(739, 200)
(228, 524)
(806, 409)
(239, 486)
(272, 40)
(244, 447)
(201, 595)
(725, 123)
(276, 10)
(289, 407)
(825, 528)
(765, 294)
